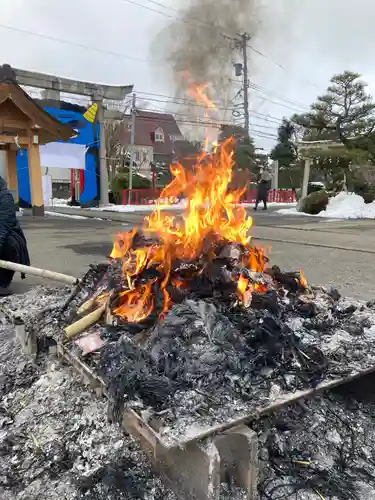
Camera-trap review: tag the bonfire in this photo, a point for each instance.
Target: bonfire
(196, 328)
(188, 326)
(173, 257)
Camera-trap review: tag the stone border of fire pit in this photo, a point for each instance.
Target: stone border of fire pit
(196, 469)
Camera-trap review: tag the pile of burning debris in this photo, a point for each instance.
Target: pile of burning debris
(189, 326)
(195, 328)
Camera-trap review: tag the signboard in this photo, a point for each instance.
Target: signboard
(63, 155)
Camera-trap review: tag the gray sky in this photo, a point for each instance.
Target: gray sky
(311, 42)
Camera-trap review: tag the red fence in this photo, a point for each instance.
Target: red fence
(149, 196)
(274, 196)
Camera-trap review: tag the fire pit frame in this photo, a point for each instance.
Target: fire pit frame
(153, 436)
(195, 469)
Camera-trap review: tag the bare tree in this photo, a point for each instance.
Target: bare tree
(114, 139)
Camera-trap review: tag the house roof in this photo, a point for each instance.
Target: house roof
(147, 123)
(33, 116)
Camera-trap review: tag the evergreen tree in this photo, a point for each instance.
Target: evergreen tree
(285, 150)
(345, 113)
(244, 150)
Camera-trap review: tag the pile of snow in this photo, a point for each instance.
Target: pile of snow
(342, 206)
(140, 208)
(67, 216)
(60, 202)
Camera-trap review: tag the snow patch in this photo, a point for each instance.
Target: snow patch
(342, 206)
(68, 216)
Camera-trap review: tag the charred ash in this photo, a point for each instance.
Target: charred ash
(211, 358)
(320, 449)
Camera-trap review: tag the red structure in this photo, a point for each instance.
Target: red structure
(149, 196)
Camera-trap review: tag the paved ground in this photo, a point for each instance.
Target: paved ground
(341, 254)
(267, 218)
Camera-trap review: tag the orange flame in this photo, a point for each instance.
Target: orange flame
(242, 284)
(302, 279)
(211, 212)
(136, 305)
(198, 92)
(244, 291)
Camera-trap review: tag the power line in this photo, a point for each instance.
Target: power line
(279, 96)
(260, 89)
(235, 107)
(256, 51)
(74, 44)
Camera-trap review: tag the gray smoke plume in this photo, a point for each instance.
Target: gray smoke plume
(198, 48)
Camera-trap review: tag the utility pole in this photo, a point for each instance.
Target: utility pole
(132, 143)
(244, 39)
(242, 70)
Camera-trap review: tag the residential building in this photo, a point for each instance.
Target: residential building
(155, 135)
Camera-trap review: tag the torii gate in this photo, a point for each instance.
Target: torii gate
(307, 150)
(54, 85)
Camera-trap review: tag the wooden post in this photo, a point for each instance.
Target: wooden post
(35, 174)
(12, 173)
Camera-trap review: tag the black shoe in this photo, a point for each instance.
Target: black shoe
(255, 209)
(264, 208)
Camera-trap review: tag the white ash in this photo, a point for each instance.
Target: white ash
(56, 441)
(35, 301)
(39, 309)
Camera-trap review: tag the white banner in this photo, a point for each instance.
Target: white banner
(47, 189)
(62, 155)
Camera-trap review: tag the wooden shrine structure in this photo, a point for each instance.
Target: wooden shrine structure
(25, 125)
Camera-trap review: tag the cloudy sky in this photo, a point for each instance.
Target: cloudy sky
(303, 44)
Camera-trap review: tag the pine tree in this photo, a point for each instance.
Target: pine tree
(285, 150)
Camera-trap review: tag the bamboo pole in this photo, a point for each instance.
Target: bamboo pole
(42, 273)
(86, 306)
(82, 324)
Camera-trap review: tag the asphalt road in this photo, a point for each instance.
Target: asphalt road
(271, 217)
(331, 254)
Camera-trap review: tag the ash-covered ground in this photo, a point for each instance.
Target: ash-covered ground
(320, 449)
(55, 438)
(210, 360)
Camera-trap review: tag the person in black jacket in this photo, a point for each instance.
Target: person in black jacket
(13, 245)
(262, 189)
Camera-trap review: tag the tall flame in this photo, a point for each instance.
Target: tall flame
(212, 214)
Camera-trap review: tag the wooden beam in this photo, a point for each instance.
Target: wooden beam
(8, 124)
(8, 139)
(12, 173)
(35, 174)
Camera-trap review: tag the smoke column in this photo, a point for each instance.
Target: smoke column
(197, 48)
